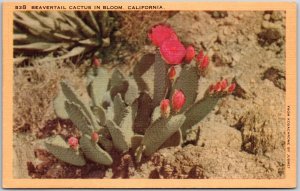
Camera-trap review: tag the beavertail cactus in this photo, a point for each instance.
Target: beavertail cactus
(62, 150)
(150, 110)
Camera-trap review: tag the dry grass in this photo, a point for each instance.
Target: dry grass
(34, 90)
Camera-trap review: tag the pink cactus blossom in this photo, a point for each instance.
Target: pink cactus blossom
(172, 51)
(159, 33)
(165, 108)
(73, 142)
(190, 54)
(178, 100)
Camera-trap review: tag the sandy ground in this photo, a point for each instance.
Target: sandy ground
(243, 137)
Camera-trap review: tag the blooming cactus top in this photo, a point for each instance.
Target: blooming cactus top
(172, 51)
(160, 33)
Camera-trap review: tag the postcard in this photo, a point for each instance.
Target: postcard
(149, 95)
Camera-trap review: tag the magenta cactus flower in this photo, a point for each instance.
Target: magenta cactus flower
(73, 142)
(159, 33)
(165, 108)
(178, 100)
(190, 54)
(172, 51)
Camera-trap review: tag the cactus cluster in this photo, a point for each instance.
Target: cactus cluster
(149, 110)
(60, 35)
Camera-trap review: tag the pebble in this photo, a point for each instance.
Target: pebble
(276, 15)
(267, 17)
(226, 31)
(236, 57)
(240, 39)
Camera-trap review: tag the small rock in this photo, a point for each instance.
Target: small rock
(236, 57)
(268, 36)
(240, 39)
(197, 172)
(267, 17)
(218, 14)
(276, 15)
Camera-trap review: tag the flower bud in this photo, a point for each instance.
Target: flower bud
(95, 137)
(172, 73)
(178, 100)
(218, 87)
(231, 88)
(211, 89)
(204, 63)
(200, 56)
(190, 54)
(223, 84)
(96, 62)
(165, 108)
(73, 142)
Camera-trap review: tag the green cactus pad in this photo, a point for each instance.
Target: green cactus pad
(120, 137)
(90, 74)
(188, 83)
(106, 100)
(174, 141)
(93, 152)
(134, 108)
(110, 113)
(78, 117)
(73, 98)
(141, 68)
(117, 84)
(161, 80)
(127, 121)
(99, 112)
(144, 111)
(59, 105)
(119, 109)
(61, 150)
(156, 114)
(105, 143)
(136, 141)
(198, 111)
(98, 86)
(139, 153)
(160, 131)
(132, 92)
(151, 76)
(117, 78)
